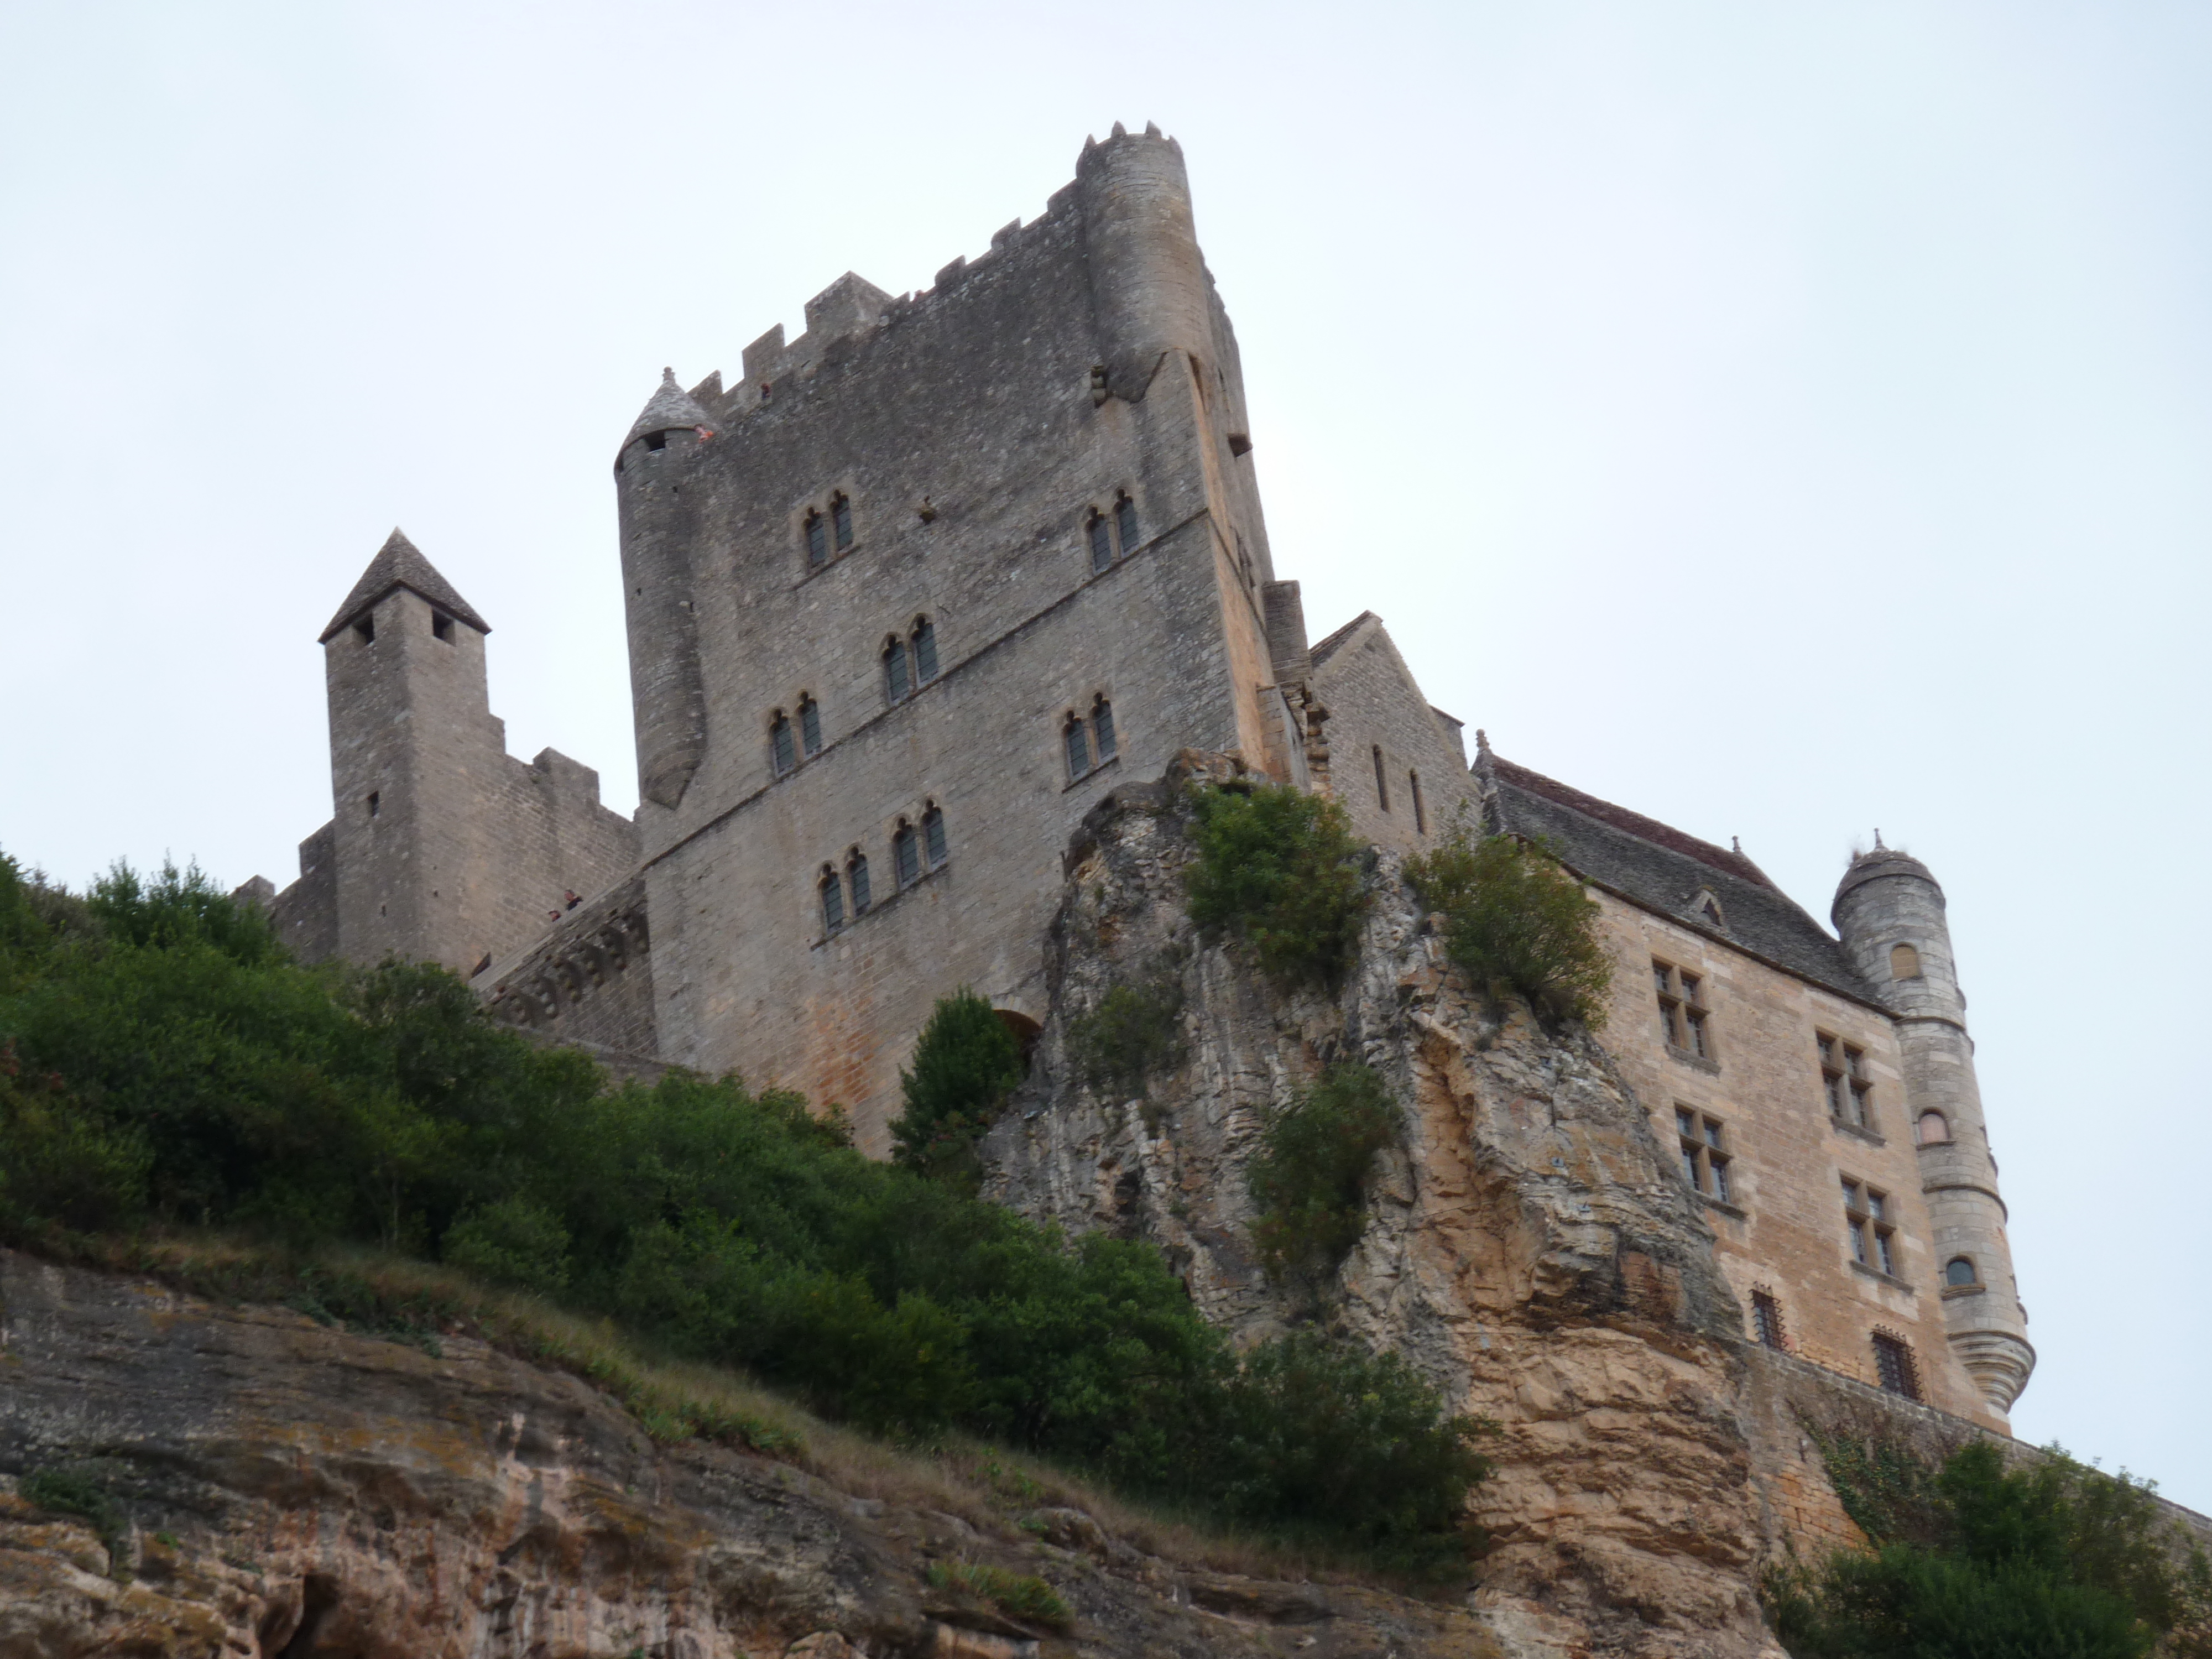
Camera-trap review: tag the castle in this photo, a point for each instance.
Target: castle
(911, 596)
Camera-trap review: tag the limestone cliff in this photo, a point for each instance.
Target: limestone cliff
(1529, 1246)
(285, 1489)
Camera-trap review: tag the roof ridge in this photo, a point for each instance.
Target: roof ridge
(1632, 822)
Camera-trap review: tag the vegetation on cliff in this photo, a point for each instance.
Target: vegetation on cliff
(167, 1066)
(965, 1064)
(1283, 866)
(1516, 922)
(2048, 1559)
(1310, 1176)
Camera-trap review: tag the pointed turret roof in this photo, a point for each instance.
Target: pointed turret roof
(399, 564)
(668, 409)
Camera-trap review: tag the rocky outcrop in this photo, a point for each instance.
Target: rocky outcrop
(1529, 1246)
(279, 1488)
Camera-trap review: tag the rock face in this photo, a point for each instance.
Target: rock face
(283, 1489)
(1529, 1246)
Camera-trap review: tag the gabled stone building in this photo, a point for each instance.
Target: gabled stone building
(911, 595)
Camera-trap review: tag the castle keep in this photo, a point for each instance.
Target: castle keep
(914, 594)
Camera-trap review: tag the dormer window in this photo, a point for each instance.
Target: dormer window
(441, 627)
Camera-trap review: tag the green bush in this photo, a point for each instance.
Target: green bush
(1134, 1031)
(2049, 1560)
(1516, 921)
(200, 1078)
(1310, 1177)
(1283, 866)
(61, 1490)
(965, 1064)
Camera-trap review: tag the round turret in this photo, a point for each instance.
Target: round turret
(1148, 282)
(657, 528)
(1889, 913)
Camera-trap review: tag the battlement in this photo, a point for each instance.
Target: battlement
(588, 979)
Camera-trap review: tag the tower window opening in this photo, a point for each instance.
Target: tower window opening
(818, 540)
(1935, 1129)
(656, 441)
(1869, 1227)
(1704, 1159)
(1893, 1366)
(906, 854)
(1684, 1020)
(1903, 962)
(1102, 541)
(1382, 780)
(375, 802)
(840, 522)
(1078, 747)
(1766, 1321)
(779, 745)
(925, 651)
(932, 837)
(810, 726)
(441, 627)
(1960, 1270)
(896, 685)
(1102, 729)
(1844, 1080)
(1420, 807)
(1125, 522)
(833, 900)
(856, 876)
(365, 629)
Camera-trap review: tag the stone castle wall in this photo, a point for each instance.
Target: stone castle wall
(1029, 390)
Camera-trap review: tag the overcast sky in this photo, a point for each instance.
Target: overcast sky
(1784, 419)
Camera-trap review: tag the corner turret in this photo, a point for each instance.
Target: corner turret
(1889, 913)
(668, 699)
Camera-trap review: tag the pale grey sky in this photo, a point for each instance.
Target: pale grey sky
(1782, 420)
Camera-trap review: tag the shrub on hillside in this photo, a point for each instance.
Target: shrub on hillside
(1308, 1178)
(2047, 1560)
(1282, 865)
(966, 1062)
(1516, 921)
(1134, 1031)
(229, 1086)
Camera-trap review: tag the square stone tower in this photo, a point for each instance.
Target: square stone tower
(909, 599)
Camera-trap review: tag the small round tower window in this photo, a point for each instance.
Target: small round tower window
(1960, 1270)
(1903, 962)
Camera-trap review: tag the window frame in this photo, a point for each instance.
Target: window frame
(936, 850)
(783, 747)
(860, 897)
(1870, 1225)
(898, 681)
(922, 640)
(830, 891)
(1846, 1087)
(810, 726)
(1685, 1015)
(1888, 1345)
(1706, 1151)
(1075, 747)
(1768, 1328)
(906, 856)
(1126, 536)
(1099, 530)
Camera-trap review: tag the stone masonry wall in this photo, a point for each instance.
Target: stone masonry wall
(1375, 704)
(979, 398)
(588, 981)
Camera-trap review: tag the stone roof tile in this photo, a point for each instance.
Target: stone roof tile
(399, 564)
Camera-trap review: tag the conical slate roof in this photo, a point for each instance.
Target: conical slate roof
(668, 409)
(1882, 861)
(399, 564)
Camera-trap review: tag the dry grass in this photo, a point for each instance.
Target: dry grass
(407, 1300)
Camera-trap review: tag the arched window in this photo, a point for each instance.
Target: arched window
(1125, 522)
(1960, 1270)
(895, 679)
(1102, 541)
(833, 900)
(856, 876)
(1934, 1130)
(817, 541)
(841, 521)
(1421, 807)
(1382, 780)
(810, 726)
(1102, 729)
(779, 744)
(925, 651)
(1903, 962)
(932, 837)
(1078, 747)
(906, 854)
